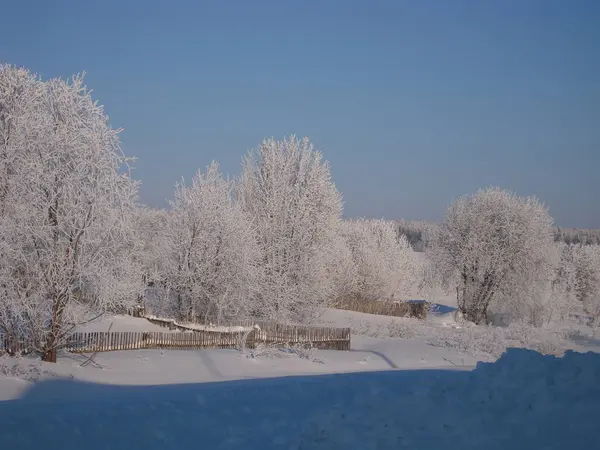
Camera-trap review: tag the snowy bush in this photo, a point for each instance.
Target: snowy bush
(384, 264)
(286, 189)
(489, 342)
(66, 208)
(495, 247)
(573, 296)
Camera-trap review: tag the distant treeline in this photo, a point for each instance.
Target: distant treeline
(418, 232)
(577, 236)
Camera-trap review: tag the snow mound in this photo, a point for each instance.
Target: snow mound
(571, 382)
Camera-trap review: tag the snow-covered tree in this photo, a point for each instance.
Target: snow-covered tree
(19, 94)
(586, 260)
(287, 190)
(150, 227)
(67, 208)
(495, 247)
(384, 263)
(148, 252)
(586, 278)
(211, 251)
(341, 269)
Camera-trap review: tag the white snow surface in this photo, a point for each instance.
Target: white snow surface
(522, 401)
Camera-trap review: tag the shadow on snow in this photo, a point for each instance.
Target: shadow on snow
(523, 401)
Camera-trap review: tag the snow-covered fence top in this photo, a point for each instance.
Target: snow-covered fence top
(271, 333)
(174, 325)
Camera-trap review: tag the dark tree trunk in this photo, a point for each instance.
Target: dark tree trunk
(49, 355)
(49, 351)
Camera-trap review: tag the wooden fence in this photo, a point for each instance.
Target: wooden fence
(272, 333)
(415, 309)
(318, 337)
(268, 334)
(111, 341)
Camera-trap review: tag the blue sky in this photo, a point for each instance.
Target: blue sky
(412, 102)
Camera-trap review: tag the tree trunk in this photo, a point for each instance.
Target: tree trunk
(49, 352)
(49, 355)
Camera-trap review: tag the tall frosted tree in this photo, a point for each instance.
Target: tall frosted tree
(150, 243)
(67, 204)
(211, 254)
(287, 190)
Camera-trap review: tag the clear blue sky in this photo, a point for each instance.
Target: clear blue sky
(413, 102)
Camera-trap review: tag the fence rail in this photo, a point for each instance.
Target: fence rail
(268, 334)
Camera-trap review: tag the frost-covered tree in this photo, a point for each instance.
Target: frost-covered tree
(341, 269)
(211, 252)
(148, 252)
(384, 264)
(287, 190)
(150, 243)
(576, 285)
(67, 205)
(585, 271)
(586, 261)
(19, 93)
(495, 247)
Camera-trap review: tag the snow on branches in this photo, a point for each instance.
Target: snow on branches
(66, 208)
(384, 263)
(578, 279)
(286, 189)
(211, 255)
(496, 247)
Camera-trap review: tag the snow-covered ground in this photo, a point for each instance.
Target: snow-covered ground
(150, 367)
(523, 401)
(393, 390)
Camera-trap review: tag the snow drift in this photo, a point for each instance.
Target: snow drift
(522, 401)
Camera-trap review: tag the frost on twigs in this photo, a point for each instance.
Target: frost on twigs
(65, 209)
(287, 192)
(210, 254)
(578, 277)
(495, 247)
(382, 264)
